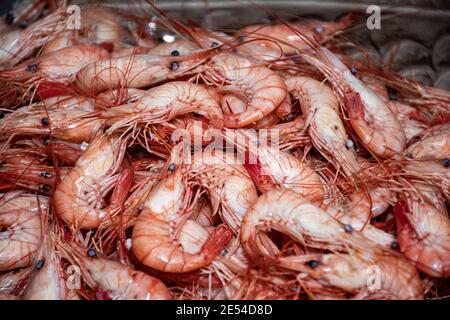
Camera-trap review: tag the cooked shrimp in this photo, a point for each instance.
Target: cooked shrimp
(20, 236)
(79, 198)
(280, 168)
(286, 37)
(47, 281)
(13, 282)
(19, 44)
(59, 66)
(290, 213)
(326, 129)
(163, 103)
(372, 275)
(229, 187)
(135, 71)
(63, 119)
(264, 89)
(110, 279)
(424, 235)
(372, 120)
(154, 240)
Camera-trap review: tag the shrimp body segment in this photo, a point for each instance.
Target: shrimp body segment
(20, 221)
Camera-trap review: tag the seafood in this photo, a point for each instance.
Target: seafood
(424, 235)
(374, 123)
(326, 129)
(112, 280)
(20, 219)
(163, 103)
(155, 232)
(264, 88)
(79, 199)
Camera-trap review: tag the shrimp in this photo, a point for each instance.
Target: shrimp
(20, 236)
(154, 239)
(19, 44)
(357, 214)
(59, 66)
(372, 120)
(47, 281)
(372, 275)
(424, 235)
(110, 279)
(325, 126)
(228, 185)
(13, 282)
(63, 119)
(79, 199)
(163, 103)
(281, 35)
(290, 213)
(135, 71)
(264, 88)
(280, 168)
(30, 176)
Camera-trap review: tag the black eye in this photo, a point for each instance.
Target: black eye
(45, 141)
(353, 70)
(395, 245)
(174, 66)
(224, 252)
(46, 174)
(446, 162)
(39, 264)
(312, 263)
(348, 228)
(23, 24)
(409, 155)
(2, 114)
(45, 121)
(9, 19)
(45, 188)
(91, 253)
(172, 167)
(214, 44)
(32, 68)
(175, 53)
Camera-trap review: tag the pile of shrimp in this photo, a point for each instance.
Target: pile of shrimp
(259, 163)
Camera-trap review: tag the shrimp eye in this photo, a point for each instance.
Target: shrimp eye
(348, 228)
(45, 121)
(174, 66)
(224, 252)
(312, 263)
(45, 188)
(91, 253)
(318, 29)
(9, 19)
(290, 117)
(45, 141)
(175, 53)
(409, 155)
(393, 95)
(32, 68)
(349, 144)
(23, 24)
(39, 264)
(446, 162)
(46, 174)
(214, 44)
(2, 114)
(353, 70)
(172, 167)
(395, 245)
